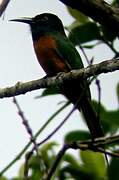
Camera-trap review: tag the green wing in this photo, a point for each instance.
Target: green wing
(68, 52)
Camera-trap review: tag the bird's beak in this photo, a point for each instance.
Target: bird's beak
(23, 20)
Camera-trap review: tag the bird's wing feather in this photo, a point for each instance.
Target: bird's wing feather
(68, 52)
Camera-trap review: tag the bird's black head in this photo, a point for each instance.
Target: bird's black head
(43, 24)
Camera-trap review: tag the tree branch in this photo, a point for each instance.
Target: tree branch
(96, 69)
(3, 6)
(85, 145)
(99, 11)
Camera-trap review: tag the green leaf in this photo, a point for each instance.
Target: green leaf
(107, 34)
(16, 178)
(88, 46)
(21, 171)
(48, 153)
(35, 175)
(74, 173)
(112, 117)
(113, 169)
(49, 91)
(85, 33)
(109, 119)
(115, 3)
(70, 159)
(34, 163)
(48, 147)
(77, 15)
(74, 25)
(3, 178)
(94, 164)
(76, 136)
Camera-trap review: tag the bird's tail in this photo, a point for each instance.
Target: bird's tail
(91, 118)
(76, 92)
(80, 97)
(92, 121)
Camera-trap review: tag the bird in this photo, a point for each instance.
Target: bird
(56, 53)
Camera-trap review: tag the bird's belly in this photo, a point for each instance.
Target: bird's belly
(51, 62)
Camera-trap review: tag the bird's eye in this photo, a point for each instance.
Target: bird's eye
(45, 18)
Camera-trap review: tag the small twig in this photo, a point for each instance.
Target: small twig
(85, 55)
(33, 140)
(101, 141)
(109, 44)
(113, 154)
(26, 165)
(29, 130)
(99, 97)
(57, 160)
(93, 147)
(26, 124)
(58, 127)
